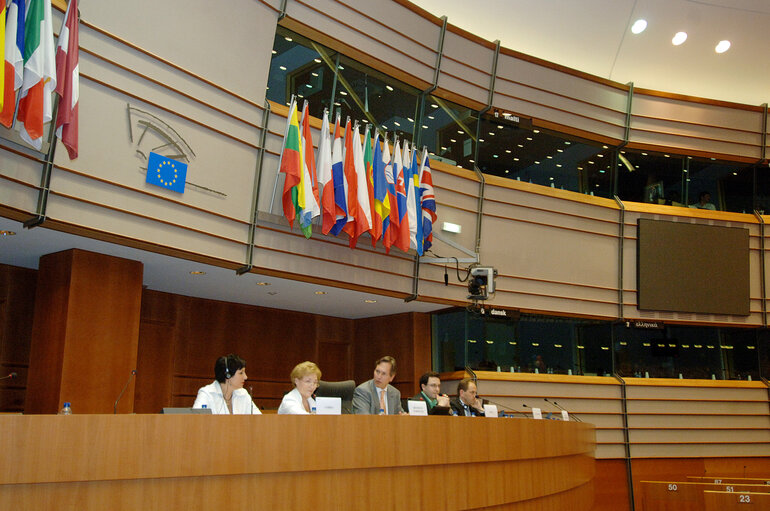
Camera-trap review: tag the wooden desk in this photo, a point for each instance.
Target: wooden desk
(291, 462)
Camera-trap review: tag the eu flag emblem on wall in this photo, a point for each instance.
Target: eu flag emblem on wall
(166, 173)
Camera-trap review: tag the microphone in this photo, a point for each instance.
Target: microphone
(9, 376)
(525, 406)
(557, 405)
(503, 408)
(115, 408)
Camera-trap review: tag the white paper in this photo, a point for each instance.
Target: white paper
(490, 410)
(417, 407)
(564, 415)
(328, 405)
(537, 413)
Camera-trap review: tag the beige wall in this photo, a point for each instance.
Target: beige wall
(203, 81)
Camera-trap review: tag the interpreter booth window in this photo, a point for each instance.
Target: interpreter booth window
(670, 352)
(740, 354)
(730, 185)
(762, 190)
(652, 178)
(448, 130)
(763, 347)
(595, 167)
(332, 81)
(531, 344)
(513, 149)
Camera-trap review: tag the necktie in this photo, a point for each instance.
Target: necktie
(382, 401)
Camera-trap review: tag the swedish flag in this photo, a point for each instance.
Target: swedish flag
(166, 173)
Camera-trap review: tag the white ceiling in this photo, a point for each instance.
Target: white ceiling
(172, 275)
(595, 36)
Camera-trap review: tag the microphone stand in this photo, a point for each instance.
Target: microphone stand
(115, 408)
(505, 408)
(557, 405)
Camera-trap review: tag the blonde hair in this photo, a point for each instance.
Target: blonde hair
(303, 369)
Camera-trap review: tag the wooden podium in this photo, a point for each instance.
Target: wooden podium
(193, 462)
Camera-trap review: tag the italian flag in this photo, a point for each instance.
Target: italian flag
(291, 164)
(13, 67)
(39, 74)
(68, 81)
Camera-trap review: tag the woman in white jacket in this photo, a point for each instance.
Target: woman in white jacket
(305, 377)
(226, 394)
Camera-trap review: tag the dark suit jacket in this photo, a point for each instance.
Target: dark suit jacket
(458, 408)
(366, 401)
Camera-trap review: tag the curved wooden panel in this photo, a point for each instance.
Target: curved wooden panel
(284, 462)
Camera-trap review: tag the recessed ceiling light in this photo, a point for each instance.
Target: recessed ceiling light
(275, 52)
(288, 39)
(535, 131)
(343, 93)
(722, 47)
(197, 273)
(321, 292)
(410, 119)
(434, 106)
(317, 61)
(389, 88)
(679, 38)
(7, 233)
(639, 26)
(282, 68)
(263, 283)
(397, 123)
(507, 171)
(508, 151)
(370, 301)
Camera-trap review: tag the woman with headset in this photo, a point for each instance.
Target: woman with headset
(226, 394)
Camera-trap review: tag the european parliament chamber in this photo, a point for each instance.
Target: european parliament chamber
(335, 182)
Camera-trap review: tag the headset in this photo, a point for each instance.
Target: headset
(227, 368)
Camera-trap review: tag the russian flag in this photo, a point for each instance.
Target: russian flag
(338, 182)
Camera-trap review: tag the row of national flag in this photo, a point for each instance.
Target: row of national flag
(355, 185)
(32, 72)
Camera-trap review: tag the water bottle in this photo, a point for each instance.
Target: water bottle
(382, 411)
(204, 406)
(312, 410)
(66, 409)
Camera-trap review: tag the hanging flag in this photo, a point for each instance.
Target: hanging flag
(351, 181)
(14, 59)
(291, 163)
(362, 211)
(338, 181)
(166, 173)
(413, 202)
(324, 173)
(68, 81)
(401, 234)
(389, 221)
(381, 203)
(308, 185)
(2, 49)
(39, 81)
(427, 201)
(375, 228)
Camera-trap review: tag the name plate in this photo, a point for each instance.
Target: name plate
(417, 407)
(490, 410)
(537, 413)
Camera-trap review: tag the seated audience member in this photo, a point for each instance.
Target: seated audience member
(377, 396)
(226, 394)
(467, 403)
(430, 386)
(305, 377)
(704, 202)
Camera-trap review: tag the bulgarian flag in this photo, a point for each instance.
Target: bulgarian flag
(14, 59)
(68, 81)
(291, 163)
(308, 189)
(39, 82)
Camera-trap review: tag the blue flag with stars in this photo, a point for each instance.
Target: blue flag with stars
(166, 173)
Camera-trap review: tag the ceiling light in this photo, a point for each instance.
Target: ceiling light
(434, 106)
(317, 61)
(515, 159)
(282, 68)
(314, 74)
(535, 131)
(321, 292)
(425, 127)
(679, 38)
(275, 52)
(431, 117)
(389, 88)
(639, 26)
(196, 273)
(397, 123)
(722, 47)
(370, 301)
(288, 39)
(452, 140)
(410, 119)
(508, 151)
(263, 283)
(460, 132)
(529, 138)
(499, 126)
(507, 171)
(343, 93)
(481, 140)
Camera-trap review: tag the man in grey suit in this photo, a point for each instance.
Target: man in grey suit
(377, 396)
